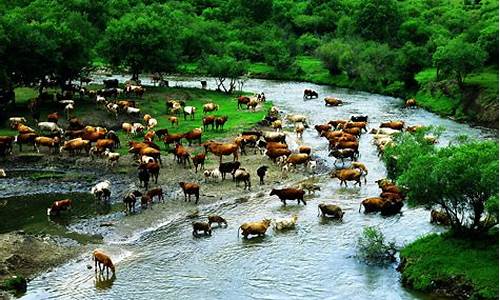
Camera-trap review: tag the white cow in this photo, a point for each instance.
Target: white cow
(285, 223)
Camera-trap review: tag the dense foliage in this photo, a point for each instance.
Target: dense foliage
(379, 44)
(461, 179)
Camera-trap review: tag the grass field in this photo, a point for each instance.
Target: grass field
(153, 103)
(439, 258)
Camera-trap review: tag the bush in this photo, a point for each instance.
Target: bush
(373, 249)
(307, 43)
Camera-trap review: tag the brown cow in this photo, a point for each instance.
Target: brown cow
(158, 192)
(274, 153)
(345, 175)
(373, 204)
(217, 219)
(411, 103)
(54, 117)
(76, 146)
(330, 101)
(360, 125)
(51, 143)
(391, 207)
(397, 125)
(208, 120)
(94, 136)
(336, 123)
(103, 144)
(255, 228)
(150, 151)
(181, 154)
(210, 107)
(172, 138)
(329, 135)
(242, 100)
(201, 226)
(353, 131)
(102, 259)
(330, 209)
(199, 159)
(322, 127)
(289, 194)
(174, 121)
(149, 136)
(193, 135)
(219, 122)
(59, 206)
(305, 150)
(26, 138)
(190, 188)
(146, 202)
(220, 149)
(298, 159)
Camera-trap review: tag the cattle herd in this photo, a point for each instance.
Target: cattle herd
(341, 135)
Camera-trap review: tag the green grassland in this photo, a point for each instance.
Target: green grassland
(152, 103)
(435, 260)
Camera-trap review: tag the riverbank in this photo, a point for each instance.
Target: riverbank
(457, 268)
(476, 104)
(45, 178)
(27, 255)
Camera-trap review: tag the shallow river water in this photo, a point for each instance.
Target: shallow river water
(315, 261)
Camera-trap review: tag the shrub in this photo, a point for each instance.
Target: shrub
(373, 249)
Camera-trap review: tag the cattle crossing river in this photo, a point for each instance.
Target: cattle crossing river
(315, 261)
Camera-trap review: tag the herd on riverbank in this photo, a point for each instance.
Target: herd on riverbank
(342, 136)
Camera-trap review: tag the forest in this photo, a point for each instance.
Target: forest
(443, 51)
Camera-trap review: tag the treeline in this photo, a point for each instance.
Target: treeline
(378, 44)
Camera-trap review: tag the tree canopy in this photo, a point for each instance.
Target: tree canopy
(461, 179)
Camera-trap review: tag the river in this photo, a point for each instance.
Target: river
(315, 261)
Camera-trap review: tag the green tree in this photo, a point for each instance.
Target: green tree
(223, 69)
(457, 59)
(462, 180)
(377, 19)
(145, 39)
(46, 39)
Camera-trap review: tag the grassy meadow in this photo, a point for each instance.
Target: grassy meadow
(152, 103)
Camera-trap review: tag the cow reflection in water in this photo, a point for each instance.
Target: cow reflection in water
(104, 281)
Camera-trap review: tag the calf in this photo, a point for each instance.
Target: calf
(157, 192)
(59, 206)
(201, 226)
(242, 175)
(102, 259)
(217, 219)
(285, 223)
(330, 210)
(212, 173)
(261, 172)
(199, 160)
(289, 194)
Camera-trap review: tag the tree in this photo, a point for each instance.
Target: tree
(223, 68)
(45, 39)
(145, 39)
(377, 19)
(457, 59)
(462, 180)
